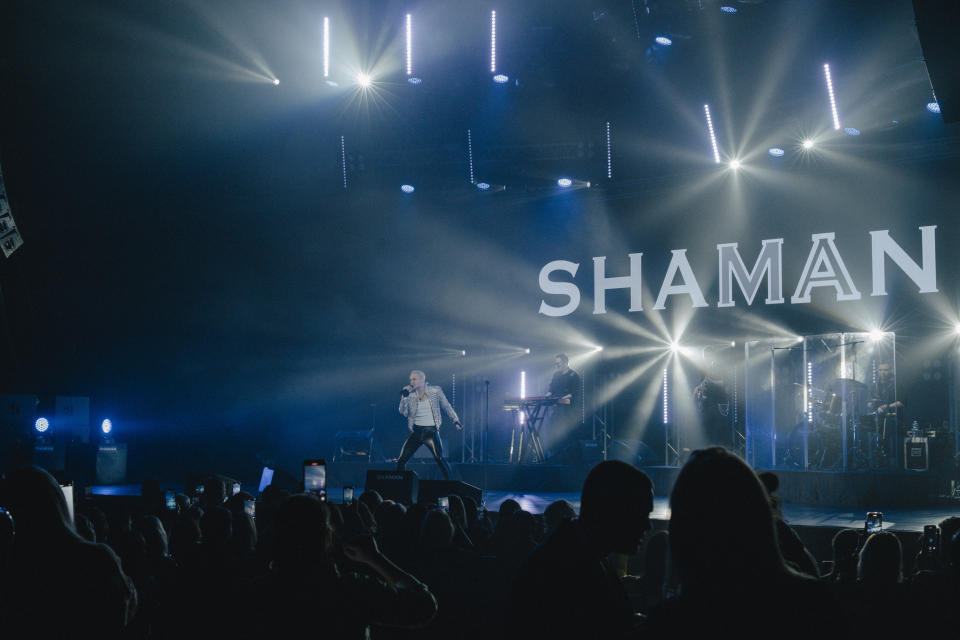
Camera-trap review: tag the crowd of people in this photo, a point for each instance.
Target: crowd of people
(726, 562)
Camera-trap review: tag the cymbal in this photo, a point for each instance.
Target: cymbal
(850, 382)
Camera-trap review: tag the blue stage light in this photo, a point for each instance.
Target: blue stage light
(501, 78)
(106, 426)
(933, 107)
(414, 80)
(407, 188)
(483, 186)
(728, 9)
(41, 425)
(664, 40)
(852, 131)
(776, 152)
(564, 182)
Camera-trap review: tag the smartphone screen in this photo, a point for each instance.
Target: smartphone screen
(171, 500)
(315, 477)
(348, 495)
(444, 503)
(236, 488)
(874, 522)
(250, 508)
(931, 538)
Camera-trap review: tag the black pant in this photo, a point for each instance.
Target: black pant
(428, 437)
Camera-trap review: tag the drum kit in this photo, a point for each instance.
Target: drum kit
(819, 432)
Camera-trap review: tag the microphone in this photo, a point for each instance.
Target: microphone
(404, 392)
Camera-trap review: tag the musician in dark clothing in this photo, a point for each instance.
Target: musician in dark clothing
(713, 404)
(565, 418)
(888, 411)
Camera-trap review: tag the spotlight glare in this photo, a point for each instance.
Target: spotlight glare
(734, 164)
(733, 343)
(106, 427)
(833, 100)
(933, 107)
(728, 9)
(776, 152)
(501, 78)
(463, 353)
(407, 188)
(527, 350)
(875, 335)
(808, 144)
(483, 186)
(41, 425)
(674, 347)
(564, 182)
(956, 328)
(364, 80)
(713, 137)
(598, 348)
(276, 81)
(664, 40)
(851, 131)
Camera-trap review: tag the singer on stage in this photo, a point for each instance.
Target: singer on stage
(421, 404)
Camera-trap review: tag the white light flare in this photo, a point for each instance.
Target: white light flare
(409, 44)
(326, 47)
(833, 100)
(493, 42)
(713, 136)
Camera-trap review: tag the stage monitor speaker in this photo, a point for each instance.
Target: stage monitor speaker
(430, 490)
(52, 456)
(399, 486)
(111, 464)
(591, 452)
(916, 454)
(937, 22)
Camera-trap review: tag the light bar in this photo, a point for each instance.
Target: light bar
(809, 392)
(470, 154)
(666, 398)
(409, 44)
(776, 152)
(833, 101)
(326, 47)
(933, 107)
(523, 392)
(493, 42)
(343, 160)
(663, 40)
(609, 163)
(713, 136)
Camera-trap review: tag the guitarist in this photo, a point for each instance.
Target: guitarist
(713, 404)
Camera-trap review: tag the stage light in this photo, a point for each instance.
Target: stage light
(609, 163)
(798, 339)
(666, 398)
(276, 81)
(470, 153)
(597, 349)
(833, 101)
(41, 425)
(409, 44)
(332, 83)
(808, 144)
(956, 328)
(734, 164)
(407, 188)
(674, 347)
(483, 186)
(733, 343)
(106, 427)
(713, 137)
(501, 78)
(364, 80)
(326, 48)
(664, 40)
(852, 131)
(875, 335)
(527, 350)
(776, 152)
(728, 9)
(414, 80)
(564, 182)
(493, 42)
(463, 353)
(343, 159)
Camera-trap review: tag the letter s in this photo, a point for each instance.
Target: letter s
(559, 288)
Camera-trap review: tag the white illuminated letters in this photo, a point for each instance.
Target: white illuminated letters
(924, 277)
(824, 268)
(601, 283)
(689, 287)
(732, 267)
(559, 288)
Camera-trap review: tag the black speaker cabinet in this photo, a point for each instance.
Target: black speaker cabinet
(916, 454)
(430, 490)
(111, 464)
(399, 486)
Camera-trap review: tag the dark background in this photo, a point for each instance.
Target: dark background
(193, 263)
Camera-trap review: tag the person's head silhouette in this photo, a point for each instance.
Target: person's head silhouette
(615, 507)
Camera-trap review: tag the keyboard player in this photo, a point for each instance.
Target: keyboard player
(565, 418)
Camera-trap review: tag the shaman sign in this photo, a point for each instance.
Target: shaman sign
(824, 267)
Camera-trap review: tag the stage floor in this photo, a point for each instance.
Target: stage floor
(905, 520)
